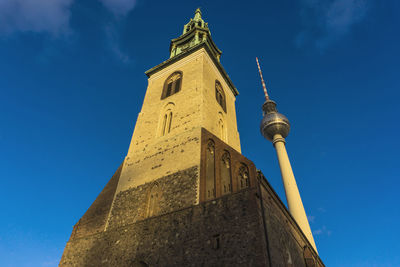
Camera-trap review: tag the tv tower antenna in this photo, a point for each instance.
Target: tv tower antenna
(262, 81)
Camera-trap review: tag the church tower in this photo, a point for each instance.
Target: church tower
(184, 194)
(187, 92)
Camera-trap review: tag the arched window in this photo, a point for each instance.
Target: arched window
(153, 201)
(165, 120)
(221, 129)
(243, 176)
(172, 85)
(166, 124)
(210, 170)
(226, 178)
(220, 95)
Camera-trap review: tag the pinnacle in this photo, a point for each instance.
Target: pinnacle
(197, 14)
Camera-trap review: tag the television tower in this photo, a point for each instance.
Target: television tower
(275, 127)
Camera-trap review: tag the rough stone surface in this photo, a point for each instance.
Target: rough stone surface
(286, 242)
(175, 191)
(221, 232)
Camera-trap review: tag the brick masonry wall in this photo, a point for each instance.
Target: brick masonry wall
(235, 157)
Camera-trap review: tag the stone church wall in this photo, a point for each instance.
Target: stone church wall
(287, 244)
(211, 109)
(164, 195)
(166, 222)
(222, 232)
(170, 154)
(236, 161)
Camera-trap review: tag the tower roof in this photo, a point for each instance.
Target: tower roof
(195, 32)
(196, 35)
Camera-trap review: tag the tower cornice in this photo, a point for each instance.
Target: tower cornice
(186, 37)
(207, 47)
(194, 32)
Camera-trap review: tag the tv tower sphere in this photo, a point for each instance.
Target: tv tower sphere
(273, 122)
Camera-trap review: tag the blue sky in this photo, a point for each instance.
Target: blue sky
(72, 83)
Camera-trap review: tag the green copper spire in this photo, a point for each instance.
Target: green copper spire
(195, 32)
(197, 15)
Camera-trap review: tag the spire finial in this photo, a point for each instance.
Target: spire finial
(197, 14)
(262, 81)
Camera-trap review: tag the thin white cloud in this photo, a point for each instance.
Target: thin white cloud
(35, 16)
(311, 218)
(322, 210)
(53, 17)
(119, 7)
(47, 16)
(326, 21)
(113, 42)
(322, 231)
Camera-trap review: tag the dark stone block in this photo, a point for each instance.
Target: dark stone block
(187, 237)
